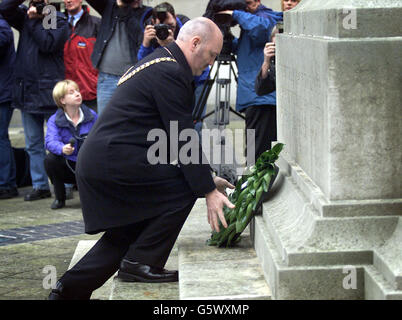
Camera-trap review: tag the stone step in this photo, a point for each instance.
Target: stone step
(115, 289)
(205, 272)
(208, 273)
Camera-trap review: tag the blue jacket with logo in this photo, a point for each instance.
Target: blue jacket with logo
(256, 30)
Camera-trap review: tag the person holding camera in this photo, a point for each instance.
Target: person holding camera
(66, 131)
(117, 43)
(8, 184)
(265, 82)
(256, 25)
(161, 29)
(39, 65)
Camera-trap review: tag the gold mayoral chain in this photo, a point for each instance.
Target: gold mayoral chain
(130, 73)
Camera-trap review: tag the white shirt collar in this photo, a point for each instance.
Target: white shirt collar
(79, 120)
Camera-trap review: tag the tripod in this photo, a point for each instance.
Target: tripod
(222, 106)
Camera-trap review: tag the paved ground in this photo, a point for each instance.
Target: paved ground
(32, 237)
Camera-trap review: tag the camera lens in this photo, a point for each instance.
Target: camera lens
(162, 31)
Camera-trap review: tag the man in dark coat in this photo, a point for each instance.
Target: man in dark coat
(39, 66)
(8, 185)
(139, 205)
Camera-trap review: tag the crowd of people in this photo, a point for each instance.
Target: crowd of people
(91, 66)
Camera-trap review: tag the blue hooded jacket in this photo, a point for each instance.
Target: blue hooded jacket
(256, 30)
(7, 61)
(60, 131)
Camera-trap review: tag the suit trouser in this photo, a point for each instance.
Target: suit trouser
(59, 173)
(150, 242)
(263, 120)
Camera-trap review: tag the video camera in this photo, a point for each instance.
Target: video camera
(224, 21)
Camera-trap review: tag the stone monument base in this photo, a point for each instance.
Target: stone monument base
(312, 248)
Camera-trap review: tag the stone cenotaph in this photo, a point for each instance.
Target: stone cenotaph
(332, 227)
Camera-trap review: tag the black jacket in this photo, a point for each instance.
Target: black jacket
(39, 63)
(7, 60)
(268, 84)
(117, 184)
(108, 10)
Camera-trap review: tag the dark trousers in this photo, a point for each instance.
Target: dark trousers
(59, 173)
(263, 120)
(148, 242)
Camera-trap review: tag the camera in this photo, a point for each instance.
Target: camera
(39, 5)
(162, 31)
(224, 21)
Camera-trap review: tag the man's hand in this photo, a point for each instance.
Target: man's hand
(215, 202)
(33, 14)
(269, 52)
(221, 184)
(68, 149)
(149, 34)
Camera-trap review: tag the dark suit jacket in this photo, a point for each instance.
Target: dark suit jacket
(117, 184)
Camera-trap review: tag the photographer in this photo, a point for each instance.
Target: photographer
(66, 130)
(161, 29)
(39, 65)
(256, 26)
(117, 43)
(265, 82)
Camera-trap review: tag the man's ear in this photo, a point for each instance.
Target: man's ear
(195, 42)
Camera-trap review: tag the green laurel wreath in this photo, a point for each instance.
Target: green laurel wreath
(246, 200)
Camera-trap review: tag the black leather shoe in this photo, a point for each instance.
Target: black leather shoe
(59, 294)
(57, 204)
(137, 272)
(8, 193)
(37, 194)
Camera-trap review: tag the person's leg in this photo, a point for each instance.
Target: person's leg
(100, 263)
(155, 243)
(34, 140)
(59, 173)
(107, 84)
(8, 186)
(263, 120)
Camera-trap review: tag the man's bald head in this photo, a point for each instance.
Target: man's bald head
(201, 41)
(202, 27)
